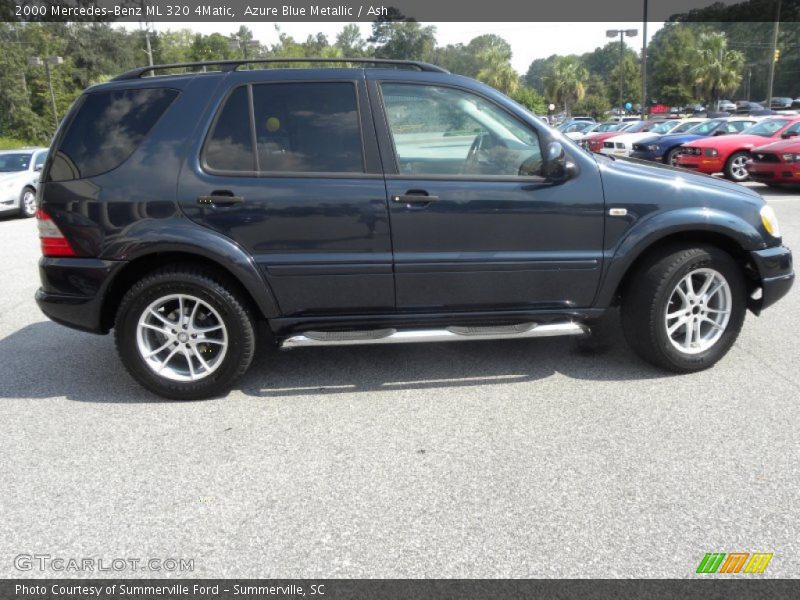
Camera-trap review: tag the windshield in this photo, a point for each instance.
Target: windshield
(765, 128)
(10, 163)
(684, 127)
(579, 126)
(706, 128)
(664, 127)
(637, 126)
(603, 127)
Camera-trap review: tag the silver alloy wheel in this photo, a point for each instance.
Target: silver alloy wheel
(29, 203)
(698, 311)
(182, 338)
(739, 168)
(673, 158)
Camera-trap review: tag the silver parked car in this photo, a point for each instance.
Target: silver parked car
(19, 176)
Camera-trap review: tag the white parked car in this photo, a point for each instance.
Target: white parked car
(622, 145)
(727, 106)
(595, 128)
(19, 176)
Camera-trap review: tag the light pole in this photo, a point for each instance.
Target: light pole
(36, 61)
(612, 33)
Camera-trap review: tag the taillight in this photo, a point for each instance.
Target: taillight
(53, 241)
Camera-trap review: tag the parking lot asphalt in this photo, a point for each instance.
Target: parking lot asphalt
(537, 458)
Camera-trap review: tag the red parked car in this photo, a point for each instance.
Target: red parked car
(778, 163)
(729, 154)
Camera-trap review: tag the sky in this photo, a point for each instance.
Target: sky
(529, 41)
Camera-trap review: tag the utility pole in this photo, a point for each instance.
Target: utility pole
(144, 23)
(774, 55)
(644, 60)
(36, 61)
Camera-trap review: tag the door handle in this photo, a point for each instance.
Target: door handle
(220, 198)
(414, 197)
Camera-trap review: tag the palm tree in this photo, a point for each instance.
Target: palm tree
(717, 69)
(565, 83)
(496, 71)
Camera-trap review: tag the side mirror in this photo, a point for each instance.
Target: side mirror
(720, 132)
(557, 169)
(38, 167)
(789, 134)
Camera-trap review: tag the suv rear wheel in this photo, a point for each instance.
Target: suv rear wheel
(184, 334)
(684, 308)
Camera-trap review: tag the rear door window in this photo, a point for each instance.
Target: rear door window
(108, 127)
(290, 128)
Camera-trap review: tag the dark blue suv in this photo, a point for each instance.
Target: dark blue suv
(392, 202)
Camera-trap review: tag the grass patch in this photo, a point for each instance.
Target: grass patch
(7, 143)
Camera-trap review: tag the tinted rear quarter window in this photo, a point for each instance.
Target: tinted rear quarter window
(107, 129)
(230, 145)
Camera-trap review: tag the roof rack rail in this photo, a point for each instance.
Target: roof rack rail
(232, 65)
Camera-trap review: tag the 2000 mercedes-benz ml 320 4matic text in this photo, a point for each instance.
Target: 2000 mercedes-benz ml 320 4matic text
(371, 202)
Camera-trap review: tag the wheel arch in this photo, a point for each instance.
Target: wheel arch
(250, 285)
(723, 230)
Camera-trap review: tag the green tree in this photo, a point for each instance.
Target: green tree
(537, 72)
(350, 41)
(631, 82)
(565, 81)
(717, 69)
(593, 105)
(671, 52)
(530, 99)
(406, 40)
(212, 47)
(172, 46)
(496, 70)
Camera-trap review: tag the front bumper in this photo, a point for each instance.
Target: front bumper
(647, 155)
(74, 289)
(774, 266)
(701, 163)
(774, 172)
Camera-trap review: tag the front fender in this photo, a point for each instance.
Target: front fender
(653, 229)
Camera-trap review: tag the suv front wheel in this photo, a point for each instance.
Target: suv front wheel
(684, 308)
(183, 334)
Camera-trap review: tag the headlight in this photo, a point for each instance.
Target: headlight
(711, 152)
(770, 221)
(790, 157)
(653, 147)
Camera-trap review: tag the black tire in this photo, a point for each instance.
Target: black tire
(669, 157)
(212, 290)
(646, 297)
(732, 172)
(26, 208)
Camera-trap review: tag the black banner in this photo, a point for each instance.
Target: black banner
(419, 10)
(407, 589)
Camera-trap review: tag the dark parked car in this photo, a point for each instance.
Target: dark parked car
(396, 203)
(746, 106)
(666, 148)
(779, 103)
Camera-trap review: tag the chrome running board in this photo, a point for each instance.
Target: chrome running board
(448, 334)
